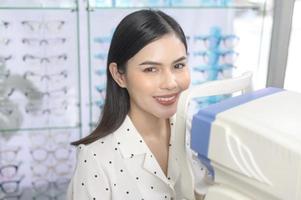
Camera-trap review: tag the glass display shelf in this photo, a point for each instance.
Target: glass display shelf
(253, 7)
(236, 4)
(42, 4)
(42, 85)
(38, 128)
(36, 8)
(39, 161)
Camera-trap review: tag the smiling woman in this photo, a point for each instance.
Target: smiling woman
(131, 153)
(155, 77)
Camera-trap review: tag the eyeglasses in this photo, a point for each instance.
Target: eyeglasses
(4, 24)
(42, 185)
(54, 78)
(6, 111)
(57, 93)
(60, 169)
(213, 41)
(216, 57)
(6, 107)
(4, 59)
(36, 60)
(230, 41)
(4, 41)
(100, 88)
(104, 42)
(12, 196)
(5, 74)
(44, 196)
(43, 42)
(9, 170)
(55, 137)
(6, 91)
(211, 99)
(11, 186)
(40, 154)
(227, 57)
(51, 25)
(58, 110)
(206, 101)
(101, 56)
(33, 94)
(101, 71)
(212, 73)
(10, 154)
(100, 103)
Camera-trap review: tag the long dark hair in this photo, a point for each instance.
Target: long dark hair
(134, 32)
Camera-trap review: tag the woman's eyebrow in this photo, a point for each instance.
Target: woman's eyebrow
(158, 63)
(150, 63)
(179, 59)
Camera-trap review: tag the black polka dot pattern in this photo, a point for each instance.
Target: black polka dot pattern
(122, 165)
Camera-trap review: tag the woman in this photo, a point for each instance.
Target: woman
(130, 154)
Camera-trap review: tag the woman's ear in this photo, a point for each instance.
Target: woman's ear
(117, 76)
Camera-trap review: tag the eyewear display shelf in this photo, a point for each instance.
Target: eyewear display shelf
(223, 41)
(39, 98)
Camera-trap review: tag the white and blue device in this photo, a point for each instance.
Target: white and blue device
(251, 145)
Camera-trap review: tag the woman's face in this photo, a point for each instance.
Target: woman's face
(156, 76)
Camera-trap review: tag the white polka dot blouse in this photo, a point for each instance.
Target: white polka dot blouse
(120, 166)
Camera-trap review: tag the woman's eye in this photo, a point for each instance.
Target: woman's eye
(150, 69)
(179, 65)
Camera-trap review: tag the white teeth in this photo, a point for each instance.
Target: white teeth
(165, 99)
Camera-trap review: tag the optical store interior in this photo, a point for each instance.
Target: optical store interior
(53, 80)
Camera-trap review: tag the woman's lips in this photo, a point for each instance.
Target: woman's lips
(167, 100)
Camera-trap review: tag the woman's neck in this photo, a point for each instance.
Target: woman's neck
(149, 126)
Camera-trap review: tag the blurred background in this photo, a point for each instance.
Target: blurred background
(53, 66)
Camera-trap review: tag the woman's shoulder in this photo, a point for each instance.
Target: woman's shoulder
(105, 147)
(99, 145)
(97, 154)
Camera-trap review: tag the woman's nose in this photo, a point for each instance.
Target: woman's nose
(168, 81)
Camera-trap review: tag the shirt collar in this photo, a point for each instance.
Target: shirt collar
(130, 142)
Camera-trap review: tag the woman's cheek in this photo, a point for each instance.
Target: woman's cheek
(185, 80)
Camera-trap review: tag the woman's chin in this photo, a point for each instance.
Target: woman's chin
(166, 115)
